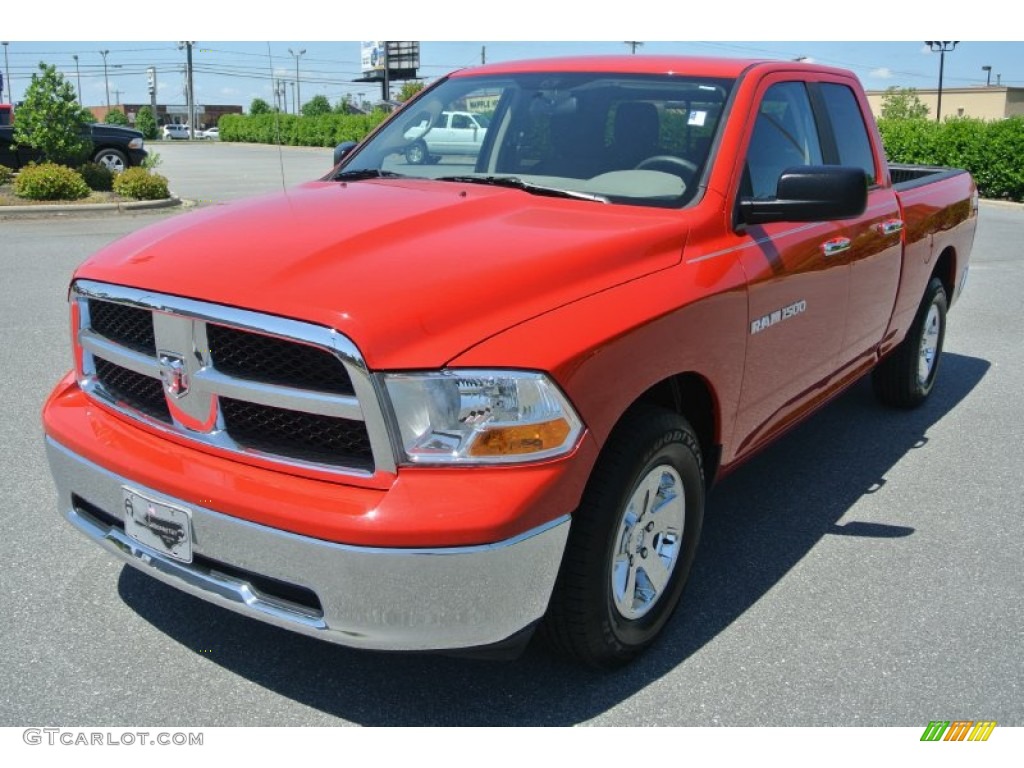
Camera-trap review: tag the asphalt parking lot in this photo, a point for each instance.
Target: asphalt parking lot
(865, 571)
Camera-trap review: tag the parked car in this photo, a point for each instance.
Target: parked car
(114, 146)
(210, 133)
(449, 133)
(175, 131)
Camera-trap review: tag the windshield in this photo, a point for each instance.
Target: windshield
(634, 139)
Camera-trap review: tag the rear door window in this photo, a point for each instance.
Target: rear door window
(851, 135)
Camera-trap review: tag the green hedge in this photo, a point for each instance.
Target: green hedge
(993, 151)
(49, 181)
(298, 130)
(140, 184)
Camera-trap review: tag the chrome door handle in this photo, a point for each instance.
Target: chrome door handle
(891, 226)
(835, 246)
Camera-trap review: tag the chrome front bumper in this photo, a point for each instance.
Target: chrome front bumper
(363, 597)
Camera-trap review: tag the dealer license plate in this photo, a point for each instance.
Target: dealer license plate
(160, 526)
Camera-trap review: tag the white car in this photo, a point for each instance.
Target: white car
(452, 133)
(175, 131)
(210, 133)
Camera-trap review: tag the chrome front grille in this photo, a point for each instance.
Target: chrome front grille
(251, 384)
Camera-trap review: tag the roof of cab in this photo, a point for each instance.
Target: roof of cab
(649, 65)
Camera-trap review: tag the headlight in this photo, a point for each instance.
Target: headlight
(480, 417)
(135, 144)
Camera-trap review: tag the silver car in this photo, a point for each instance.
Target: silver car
(451, 133)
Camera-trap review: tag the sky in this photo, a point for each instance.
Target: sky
(240, 58)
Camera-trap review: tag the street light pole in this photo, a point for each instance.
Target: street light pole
(106, 81)
(298, 82)
(941, 47)
(78, 76)
(988, 75)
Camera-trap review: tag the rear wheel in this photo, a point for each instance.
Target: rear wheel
(632, 542)
(906, 377)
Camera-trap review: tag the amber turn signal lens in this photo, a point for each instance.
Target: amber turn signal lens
(519, 439)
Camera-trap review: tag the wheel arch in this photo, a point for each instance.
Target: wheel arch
(945, 270)
(691, 396)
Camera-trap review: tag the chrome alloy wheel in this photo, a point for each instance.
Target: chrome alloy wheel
(648, 542)
(929, 344)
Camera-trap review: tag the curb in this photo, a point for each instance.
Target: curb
(137, 205)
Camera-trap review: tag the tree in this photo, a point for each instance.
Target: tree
(51, 120)
(903, 104)
(346, 106)
(409, 89)
(259, 107)
(116, 117)
(318, 105)
(146, 122)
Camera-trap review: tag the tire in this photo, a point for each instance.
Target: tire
(632, 541)
(416, 153)
(113, 159)
(907, 376)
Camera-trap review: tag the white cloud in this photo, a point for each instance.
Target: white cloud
(882, 73)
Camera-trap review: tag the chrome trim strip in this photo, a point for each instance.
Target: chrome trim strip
(339, 406)
(372, 597)
(114, 353)
(180, 324)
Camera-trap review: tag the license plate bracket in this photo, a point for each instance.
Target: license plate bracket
(163, 527)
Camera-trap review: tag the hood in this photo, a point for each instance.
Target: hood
(413, 271)
(108, 130)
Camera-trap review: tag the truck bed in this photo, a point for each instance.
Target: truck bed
(906, 176)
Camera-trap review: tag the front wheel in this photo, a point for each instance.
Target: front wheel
(906, 377)
(632, 542)
(416, 153)
(113, 159)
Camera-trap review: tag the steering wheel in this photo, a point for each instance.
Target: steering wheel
(676, 164)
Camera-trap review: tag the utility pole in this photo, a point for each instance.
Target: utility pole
(117, 96)
(483, 54)
(385, 90)
(7, 75)
(189, 86)
(106, 80)
(151, 87)
(78, 76)
(298, 82)
(292, 84)
(633, 45)
(988, 75)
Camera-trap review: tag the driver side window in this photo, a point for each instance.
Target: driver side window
(785, 135)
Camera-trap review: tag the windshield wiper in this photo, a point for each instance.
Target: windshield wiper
(365, 173)
(514, 182)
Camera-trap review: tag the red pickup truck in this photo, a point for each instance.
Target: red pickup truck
(424, 406)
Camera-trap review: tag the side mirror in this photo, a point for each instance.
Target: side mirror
(811, 193)
(341, 151)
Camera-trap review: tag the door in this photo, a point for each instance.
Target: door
(876, 246)
(797, 276)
